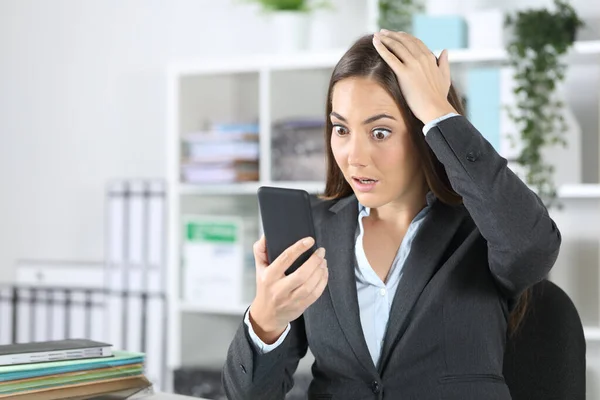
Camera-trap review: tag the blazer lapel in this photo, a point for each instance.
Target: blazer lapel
(422, 262)
(338, 240)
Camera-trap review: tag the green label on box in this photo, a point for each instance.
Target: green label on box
(211, 232)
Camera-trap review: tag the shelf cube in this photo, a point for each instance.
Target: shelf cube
(441, 31)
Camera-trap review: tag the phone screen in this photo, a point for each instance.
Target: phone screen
(286, 217)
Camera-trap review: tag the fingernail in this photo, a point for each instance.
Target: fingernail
(307, 241)
(324, 264)
(383, 30)
(321, 252)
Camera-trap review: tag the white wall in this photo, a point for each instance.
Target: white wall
(82, 101)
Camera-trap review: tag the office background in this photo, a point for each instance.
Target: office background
(85, 101)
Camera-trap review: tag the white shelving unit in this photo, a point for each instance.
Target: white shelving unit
(248, 188)
(581, 52)
(581, 191)
(592, 334)
(259, 86)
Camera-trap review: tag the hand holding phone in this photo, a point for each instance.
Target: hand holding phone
(280, 298)
(289, 276)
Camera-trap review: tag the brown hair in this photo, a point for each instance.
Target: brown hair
(362, 60)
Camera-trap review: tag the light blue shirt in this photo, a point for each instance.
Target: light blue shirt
(374, 296)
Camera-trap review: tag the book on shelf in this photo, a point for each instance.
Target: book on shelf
(235, 127)
(223, 172)
(199, 151)
(212, 137)
(226, 153)
(219, 131)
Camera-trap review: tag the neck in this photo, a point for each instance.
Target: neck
(402, 211)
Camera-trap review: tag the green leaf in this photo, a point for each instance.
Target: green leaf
(541, 37)
(291, 5)
(397, 14)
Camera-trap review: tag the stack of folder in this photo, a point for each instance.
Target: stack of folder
(224, 154)
(118, 375)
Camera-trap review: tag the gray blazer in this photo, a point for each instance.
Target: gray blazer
(447, 329)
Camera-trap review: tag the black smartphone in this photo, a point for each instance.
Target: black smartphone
(286, 218)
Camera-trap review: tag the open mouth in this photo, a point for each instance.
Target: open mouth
(364, 180)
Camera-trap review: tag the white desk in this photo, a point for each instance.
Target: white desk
(168, 396)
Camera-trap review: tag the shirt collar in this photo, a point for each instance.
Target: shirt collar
(364, 211)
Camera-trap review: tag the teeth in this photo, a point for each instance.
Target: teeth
(366, 180)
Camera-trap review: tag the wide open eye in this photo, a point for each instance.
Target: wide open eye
(340, 130)
(380, 133)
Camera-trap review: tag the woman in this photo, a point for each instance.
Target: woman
(431, 241)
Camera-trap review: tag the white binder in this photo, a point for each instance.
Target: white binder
(6, 327)
(135, 265)
(115, 253)
(25, 313)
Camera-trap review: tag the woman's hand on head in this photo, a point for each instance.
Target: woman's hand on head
(423, 82)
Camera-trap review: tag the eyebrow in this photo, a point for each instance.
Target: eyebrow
(366, 121)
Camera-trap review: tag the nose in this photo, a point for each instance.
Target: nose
(358, 152)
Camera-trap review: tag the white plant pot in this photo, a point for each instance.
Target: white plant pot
(290, 30)
(324, 34)
(486, 29)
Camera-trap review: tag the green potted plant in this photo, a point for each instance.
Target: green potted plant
(539, 40)
(289, 5)
(290, 21)
(396, 15)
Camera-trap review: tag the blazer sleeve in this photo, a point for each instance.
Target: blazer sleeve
(250, 374)
(523, 241)
(259, 345)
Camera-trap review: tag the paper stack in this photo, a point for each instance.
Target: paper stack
(119, 376)
(223, 154)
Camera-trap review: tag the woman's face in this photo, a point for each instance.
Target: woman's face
(371, 143)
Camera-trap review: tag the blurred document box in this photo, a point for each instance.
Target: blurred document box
(213, 260)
